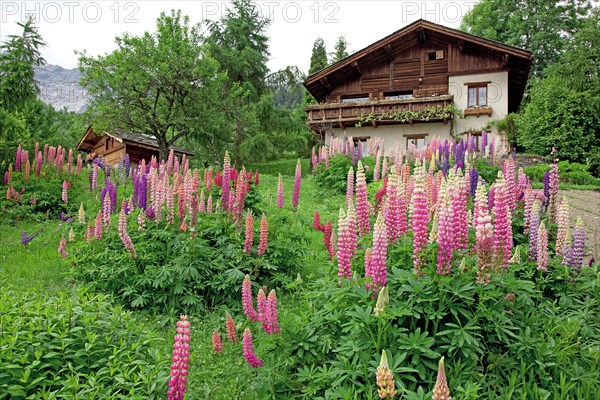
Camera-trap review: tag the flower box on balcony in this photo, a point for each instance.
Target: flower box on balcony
(477, 111)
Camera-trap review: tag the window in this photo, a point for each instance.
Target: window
(435, 55)
(477, 95)
(356, 98)
(407, 94)
(362, 142)
(415, 142)
(108, 143)
(475, 141)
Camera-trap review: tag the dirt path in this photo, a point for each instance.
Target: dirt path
(586, 203)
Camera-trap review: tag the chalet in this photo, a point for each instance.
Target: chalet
(113, 146)
(422, 81)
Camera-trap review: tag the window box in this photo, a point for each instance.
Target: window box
(477, 111)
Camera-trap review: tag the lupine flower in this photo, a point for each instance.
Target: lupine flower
(352, 235)
(503, 224)
(71, 235)
(271, 317)
(511, 188)
(217, 343)
(391, 210)
(317, 222)
(230, 326)
(350, 186)
(382, 299)
(553, 191)
(264, 235)
(379, 254)
(25, 240)
(249, 232)
(534, 223)
(327, 239)
(38, 166)
(484, 235)
(256, 178)
(141, 221)
(297, 181)
(377, 171)
(419, 223)
(343, 248)
(248, 350)
(380, 195)
(226, 182)
(573, 257)
(98, 226)
(385, 379)
(362, 209)
(446, 230)
(62, 247)
(181, 360)
(81, 215)
(237, 207)
(209, 204)
(65, 197)
(562, 219)
(247, 303)
(280, 198)
(441, 391)
(106, 206)
(458, 196)
(542, 248)
(474, 179)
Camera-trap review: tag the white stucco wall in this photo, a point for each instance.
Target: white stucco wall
(395, 134)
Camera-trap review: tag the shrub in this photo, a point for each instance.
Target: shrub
(571, 173)
(489, 173)
(77, 344)
(335, 177)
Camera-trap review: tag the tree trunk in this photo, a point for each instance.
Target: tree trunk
(239, 132)
(163, 146)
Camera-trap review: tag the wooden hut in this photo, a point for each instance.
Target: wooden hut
(113, 146)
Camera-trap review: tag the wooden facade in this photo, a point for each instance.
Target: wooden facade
(113, 146)
(410, 69)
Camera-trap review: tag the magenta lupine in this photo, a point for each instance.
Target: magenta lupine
(542, 248)
(249, 238)
(419, 222)
(350, 187)
(264, 235)
(562, 220)
(65, 196)
(38, 167)
(534, 223)
(181, 360)
(248, 350)
(484, 235)
(503, 224)
(343, 247)
(327, 239)
(317, 221)
(441, 391)
(271, 311)
(362, 207)
(62, 247)
(280, 198)
(379, 254)
(297, 181)
(217, 343)
(247, 303)
(458, 196)
(553, 186)
(226, 182)
(446, 230)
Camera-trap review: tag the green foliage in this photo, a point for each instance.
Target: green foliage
(77, 344)
(318, 57)
(283, 167)
(570, 173)
(334, 178)
(488, 172)
(340, 49)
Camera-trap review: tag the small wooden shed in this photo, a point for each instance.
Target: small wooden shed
(112, 146)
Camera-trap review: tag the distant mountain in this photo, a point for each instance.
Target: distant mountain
(60, 87)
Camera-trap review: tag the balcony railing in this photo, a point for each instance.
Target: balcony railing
(376, 112)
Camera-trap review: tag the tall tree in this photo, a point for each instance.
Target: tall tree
(541, 26)
(239, 43)
(318, 58)
(564, 110)
(340, 49)
(162, 84)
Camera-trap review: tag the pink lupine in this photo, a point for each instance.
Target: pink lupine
(264, 235)
(237, 207)
(446, 230)
(528, 198)
(181, 360)
(522, 184)
(106, 208)
(249, 238)
(385, 379)
(280, 198)
(248, 350)
(247, 303)
(419, 224)
(553, 186)
(509, 177)
(262, 308)
(458, 195)
(18, 159)
(350, 186)
(38, 167)
(62, 247)
(65, 196)
(141, 219)
(317, 221)
(271, 311)
(313, 159)
(562, 219)
(377, 171)
(181, 208)
(226, 182)
(352, 235)
(94, 177)
(391, 212)
(484, 234)
(327, 233)
(362, 208)
(79, 164)
(441, 391)
(209, 204)
(343, 247)
(230, 326)
(297, 182)
(542, 248)
(379, 254)
(503, 224)
(98, 226)
(202, 204)
(534, 223)
(217, 343)
(208, 178)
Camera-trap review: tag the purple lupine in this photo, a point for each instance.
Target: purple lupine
(574, 253)
(474, 176)
(38, 167)
(25, 239)
(143, 191)
(127, 165)
(460, 154)
(546, 191)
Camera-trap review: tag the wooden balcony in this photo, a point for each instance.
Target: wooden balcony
(376, 112)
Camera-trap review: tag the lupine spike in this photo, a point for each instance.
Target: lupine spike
(249, 239)
(542, 250)
(441, 391)
(385, 379)
(230, 326)
(280, 198)
(264, 235)
(247, 303)
(181, 359)
(297, 182)
(248, 350)
(217, 343)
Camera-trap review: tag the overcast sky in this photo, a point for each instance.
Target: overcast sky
(92, 25)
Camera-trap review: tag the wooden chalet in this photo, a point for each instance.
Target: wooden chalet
(401, 88)
(113, 146)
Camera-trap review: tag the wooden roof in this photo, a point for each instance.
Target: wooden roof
(518, 61)
(137, 139)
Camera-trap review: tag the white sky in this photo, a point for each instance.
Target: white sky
(92, 25)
